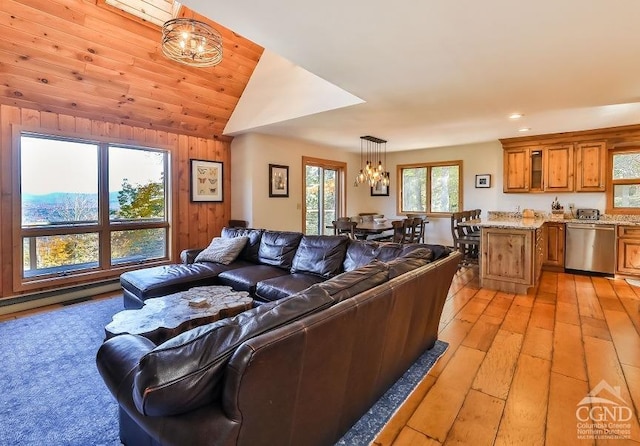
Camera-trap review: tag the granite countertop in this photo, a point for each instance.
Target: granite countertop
(514, 220)
(514, 223)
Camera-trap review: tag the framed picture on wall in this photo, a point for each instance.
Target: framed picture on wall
(278, 181)
(206, 180)
(379, 190)
(483, 181)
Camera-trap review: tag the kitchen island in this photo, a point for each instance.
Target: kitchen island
(513, 249)
(511, 253)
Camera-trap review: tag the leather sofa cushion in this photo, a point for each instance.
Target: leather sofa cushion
(283, 286)
(250, 251)
(246, 278)
(389, 251)
(277, 248)
(320, 254)
(148, 282)
(412, 259)
(439, 251)
(186, 372)
(350, 283)
(359, 253)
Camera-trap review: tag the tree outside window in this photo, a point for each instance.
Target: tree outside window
(70, 217)
(431, 188)
(625, 176)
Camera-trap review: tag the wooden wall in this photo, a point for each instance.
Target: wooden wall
(81, 58)
(194, 224)
(79, 66)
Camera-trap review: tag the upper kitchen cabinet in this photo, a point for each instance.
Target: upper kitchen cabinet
(558, 168)
(591, 161)
(517, 164)
(563, 162)
(538, 169)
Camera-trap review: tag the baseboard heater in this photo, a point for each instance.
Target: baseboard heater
(30, 301)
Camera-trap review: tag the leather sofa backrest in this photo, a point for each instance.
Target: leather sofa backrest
(389, 251)
(250, 251)
(321, 255)
(277, 248)
(409, 261)
(351, 283)
(359, 253)
(186, 372)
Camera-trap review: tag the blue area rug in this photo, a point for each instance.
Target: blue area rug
(365, 430)
(51, 393)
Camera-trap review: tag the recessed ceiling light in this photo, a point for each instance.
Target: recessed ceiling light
(515, 115)
(524, 129)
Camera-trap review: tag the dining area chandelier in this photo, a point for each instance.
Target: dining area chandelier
(191, 42)
(373, 158)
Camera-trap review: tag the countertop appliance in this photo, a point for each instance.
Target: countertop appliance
(587, 214)
(590, 247)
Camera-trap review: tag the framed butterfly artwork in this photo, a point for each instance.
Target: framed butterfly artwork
(206, 180)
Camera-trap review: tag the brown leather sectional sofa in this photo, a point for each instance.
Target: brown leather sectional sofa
(300, 369)
(272, 265)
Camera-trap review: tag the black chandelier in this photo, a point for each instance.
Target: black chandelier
(373, 158)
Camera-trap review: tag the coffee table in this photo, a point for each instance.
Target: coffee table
(162, 318)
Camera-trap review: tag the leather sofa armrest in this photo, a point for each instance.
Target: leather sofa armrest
(117, 361)
(187, 256)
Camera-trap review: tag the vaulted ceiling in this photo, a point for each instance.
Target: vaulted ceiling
(87, 59)
(436, 73)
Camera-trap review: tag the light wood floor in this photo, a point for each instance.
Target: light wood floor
(518, 365)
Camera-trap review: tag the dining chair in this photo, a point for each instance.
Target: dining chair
(344, 227)
(402, 230)
(419, 224)
(237, 223)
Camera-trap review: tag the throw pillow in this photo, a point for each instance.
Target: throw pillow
(222, 250)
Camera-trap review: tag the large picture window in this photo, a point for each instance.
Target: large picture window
(624, 196)
(432, 188)
(89, 206)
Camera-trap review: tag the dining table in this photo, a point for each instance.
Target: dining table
(366, 228)
(371, 227)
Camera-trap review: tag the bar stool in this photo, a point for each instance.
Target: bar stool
(465, 241)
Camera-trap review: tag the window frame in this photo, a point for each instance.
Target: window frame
(104, 227)
(341, 168)
(429, 166)
(611, 183)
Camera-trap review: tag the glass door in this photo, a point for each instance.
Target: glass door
(323, 195)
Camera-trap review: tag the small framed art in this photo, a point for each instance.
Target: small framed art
(483, 180)
(379, 190)
(278, 181)
(206, 180)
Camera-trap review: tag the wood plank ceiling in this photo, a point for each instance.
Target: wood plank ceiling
(87, 59)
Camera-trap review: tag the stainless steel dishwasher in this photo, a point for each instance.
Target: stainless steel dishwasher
(590, 247)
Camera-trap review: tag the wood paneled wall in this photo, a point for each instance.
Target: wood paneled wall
(81, 58)
(193, 224)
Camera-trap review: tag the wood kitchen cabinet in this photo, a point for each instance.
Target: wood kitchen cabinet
(558, 168)
(539, 169)
(516, 170)
(511, 259)
(591, 159)
(628, 262)
(554, 246)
